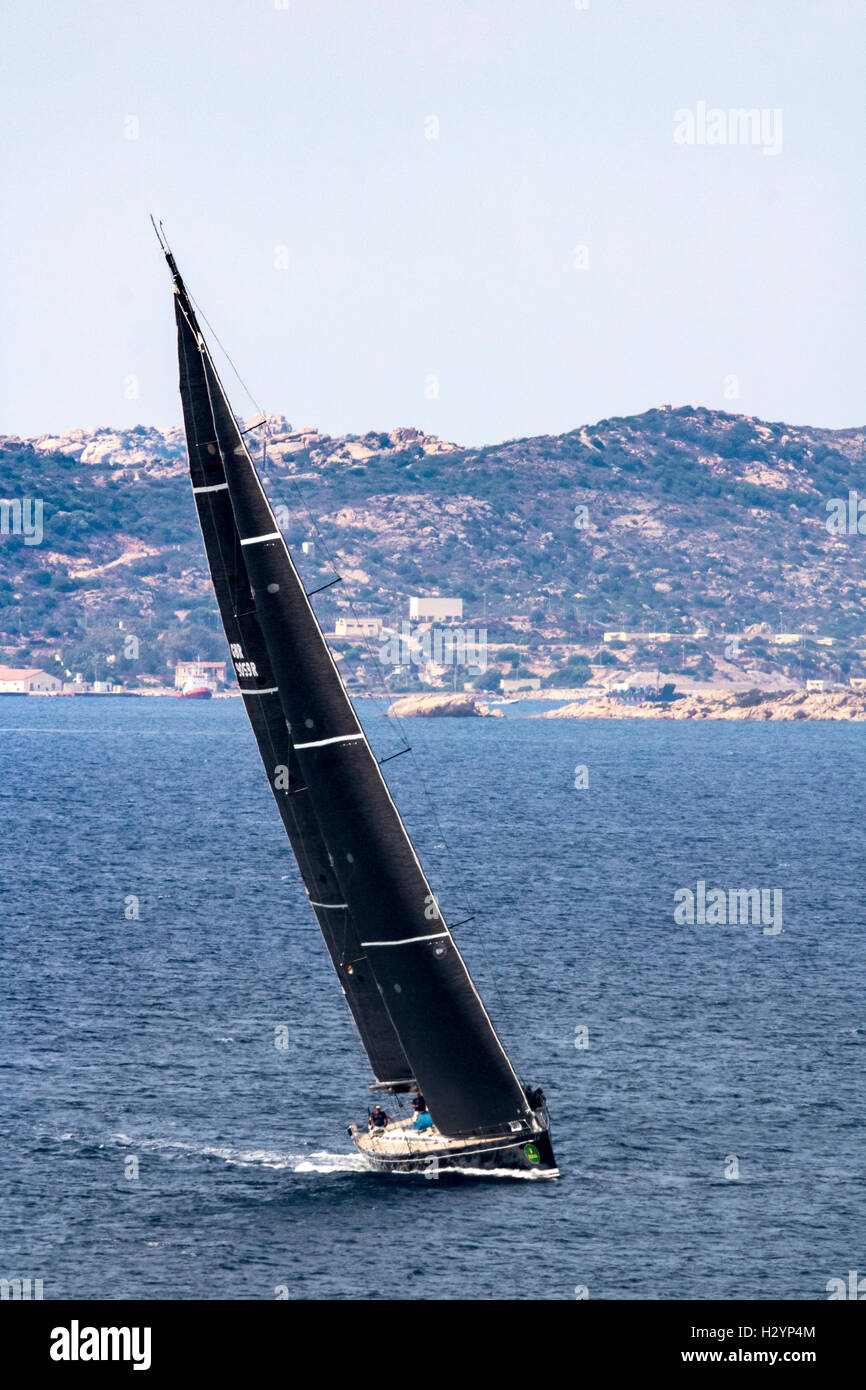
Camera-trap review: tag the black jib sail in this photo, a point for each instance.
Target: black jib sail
(416, 1008)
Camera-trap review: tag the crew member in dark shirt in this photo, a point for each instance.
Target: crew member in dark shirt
(378, 1119)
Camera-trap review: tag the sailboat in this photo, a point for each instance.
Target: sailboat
(416, 1009)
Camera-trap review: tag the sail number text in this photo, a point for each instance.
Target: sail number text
(243, 668)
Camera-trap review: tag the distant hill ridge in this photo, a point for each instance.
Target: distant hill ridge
(148, 446)
(660, 521)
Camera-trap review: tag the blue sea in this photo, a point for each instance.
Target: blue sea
(706, 1082)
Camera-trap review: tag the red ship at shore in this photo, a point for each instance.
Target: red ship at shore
(194, 691)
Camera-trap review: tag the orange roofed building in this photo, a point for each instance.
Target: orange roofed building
(20, 680)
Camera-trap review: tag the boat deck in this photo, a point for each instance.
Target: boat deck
(404, 1150)
(395, 1142)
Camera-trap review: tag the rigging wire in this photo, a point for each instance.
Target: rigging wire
(226, 355)
(162, 238)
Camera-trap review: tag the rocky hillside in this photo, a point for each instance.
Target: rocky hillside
(755, 706)
(689, 521)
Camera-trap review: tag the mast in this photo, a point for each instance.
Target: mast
(340, 804)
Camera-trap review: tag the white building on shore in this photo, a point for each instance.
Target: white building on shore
(209, 673)
(358, 627)
(435, 608)
(24, 680)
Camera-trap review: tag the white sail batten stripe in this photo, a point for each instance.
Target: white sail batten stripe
(408, 940)
(214, 487)
(271, 690)
(320, 742)
(254, 540)
(315, 904)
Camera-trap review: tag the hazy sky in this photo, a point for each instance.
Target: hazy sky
(354, 266)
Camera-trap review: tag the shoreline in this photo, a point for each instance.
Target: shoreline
(838, 707)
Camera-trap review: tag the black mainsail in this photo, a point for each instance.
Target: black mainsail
(417, 1011)
(258, 687)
